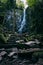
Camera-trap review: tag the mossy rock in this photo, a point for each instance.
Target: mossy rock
(38, 54)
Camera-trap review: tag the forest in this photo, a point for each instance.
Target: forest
(34, 17)
(21, 26)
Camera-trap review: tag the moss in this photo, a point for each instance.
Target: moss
(4, 37)
(38, 54)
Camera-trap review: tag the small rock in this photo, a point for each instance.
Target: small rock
(3, 53)
(0, 58)
(14, 56)
(11, 54)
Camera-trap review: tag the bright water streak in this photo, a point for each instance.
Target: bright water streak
(24, 17)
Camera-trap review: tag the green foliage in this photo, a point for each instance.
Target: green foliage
(31, 2)
(4, 37)
(3, 1)
(19, 4)
(35, 18)
(4, 6)
(38, 54)
(10, 4)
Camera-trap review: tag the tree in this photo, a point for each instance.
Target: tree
(35, 17)
(33, 2)
(19, 4)
(5, 5)
(10, 4)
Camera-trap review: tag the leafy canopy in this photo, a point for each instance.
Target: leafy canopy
(32, 2)
(3, 1)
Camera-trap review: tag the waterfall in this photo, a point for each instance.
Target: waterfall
(9, 18)
(23, 22)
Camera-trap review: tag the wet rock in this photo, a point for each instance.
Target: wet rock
(0, 58)
(11, 54)
(3, 53)
(40, 61)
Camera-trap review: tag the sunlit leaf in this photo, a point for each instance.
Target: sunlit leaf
(3, 1)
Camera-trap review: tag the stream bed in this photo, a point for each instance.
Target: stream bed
(8, 56)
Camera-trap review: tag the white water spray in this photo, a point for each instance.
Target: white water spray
(23, 22)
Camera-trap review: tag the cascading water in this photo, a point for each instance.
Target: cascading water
(23, 22)
(9, 18)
